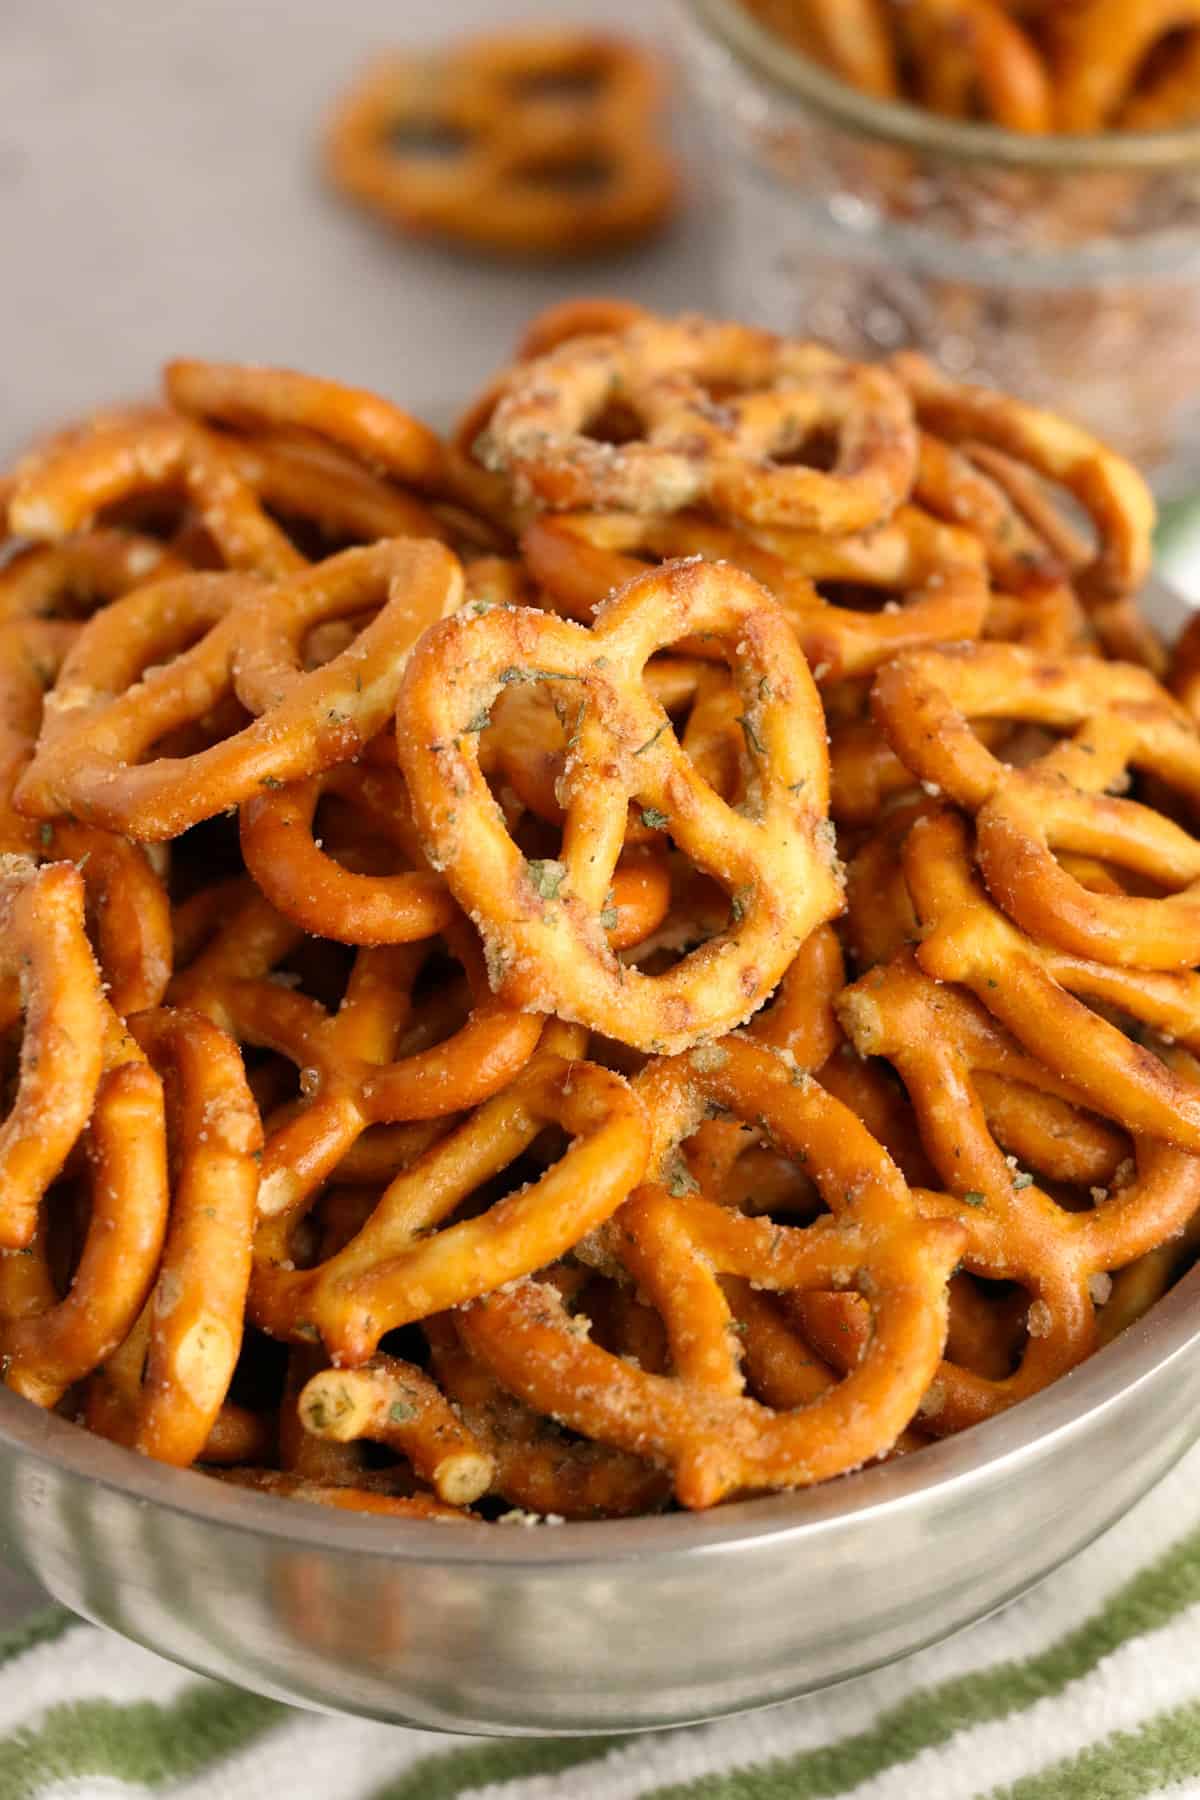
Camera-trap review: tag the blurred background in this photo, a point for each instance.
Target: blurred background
(160, 195)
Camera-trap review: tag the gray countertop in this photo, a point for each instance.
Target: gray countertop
(159, 196)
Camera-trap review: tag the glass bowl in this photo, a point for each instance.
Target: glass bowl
(1064, 269)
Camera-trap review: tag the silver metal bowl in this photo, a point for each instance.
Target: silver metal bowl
(607, 1626)
(618, 1626)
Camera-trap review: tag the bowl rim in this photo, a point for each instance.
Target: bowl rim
(987, 1453)
(790, 72)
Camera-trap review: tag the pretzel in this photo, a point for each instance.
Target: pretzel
(67, 487)
(970, 59)
(394, 1404)
(393, 1271)
(250, 398)
(308, 885)
(1108, 488)
(48, 975)
(934, 1037)
(715, 1440)
(682, 448)
(582, 558)
(172, 1375)
(551, 142)
(575, 318)
(73, 578)
(1170, 99)
(47, 1343)
(852, 39)
(351, 1078)
(1121, 719)
(542, 923)
(111, 706)
(1032, 990)
(343, 1499)
(535, 1465)
(1100, 48)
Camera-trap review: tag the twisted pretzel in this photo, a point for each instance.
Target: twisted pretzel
(936, 572)
(543, 923)
(1031, 989)
(111, 705)
(970, 59)
(1108, 488)
(48, 974)
(65, 488)
(683, 447)
(536, 1466)
(551, 140)
(1122, 719)
(394, 1271)
(1100, 48)
(255, 399)
(162, 1392)
(716, 1440)
(936, 1038)
(394, 1404)
(72, 579)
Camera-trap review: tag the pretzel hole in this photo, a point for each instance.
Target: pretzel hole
(428, 140)
(577, 176)
(1159, 60)
(572, 87)
(815, 449)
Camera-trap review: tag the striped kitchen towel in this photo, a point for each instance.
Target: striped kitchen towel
(1087, 1689)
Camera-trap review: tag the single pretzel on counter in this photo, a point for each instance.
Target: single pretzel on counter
(549, 143)
(676, 445)
(542, 920)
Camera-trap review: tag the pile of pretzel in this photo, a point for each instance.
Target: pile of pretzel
(1028, 65)
(449, 1070)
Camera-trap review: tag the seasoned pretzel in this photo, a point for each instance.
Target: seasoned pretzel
(542, 922)
(110, 706)
(48, 975)
(1120, 719)
(64, 489)
(536, 1466)
(687, 447)
(73, 578)
(1032, 990)
(851, 36)
(47, 1343)
(343, 1499)
(936, 572)
(970, 59)
(1108, 488)
(715, 1440)
(935, 1038)
(1099, 49)
(169, 1381)
(552, 141)
(354, 1071)
(251, 398)
(394, 1404)
(393, 1271)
